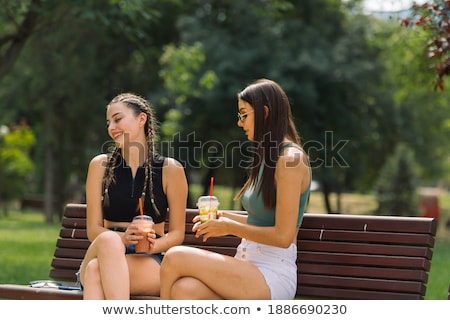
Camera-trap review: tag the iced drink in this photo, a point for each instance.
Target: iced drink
(207, 207)
(144, 224)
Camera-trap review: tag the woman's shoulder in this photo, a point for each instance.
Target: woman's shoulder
(172, 163)
(292, 155)
(97, 164)
(99, 159)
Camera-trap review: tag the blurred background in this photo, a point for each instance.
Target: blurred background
(367, 81)
(368, 99)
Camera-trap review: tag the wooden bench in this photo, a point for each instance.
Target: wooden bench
(339, 256)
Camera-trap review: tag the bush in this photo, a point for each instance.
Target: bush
(396, 187)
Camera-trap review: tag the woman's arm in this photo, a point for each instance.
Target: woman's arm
(94, 180)
(292, 178)
(176, 189)
(241, 218)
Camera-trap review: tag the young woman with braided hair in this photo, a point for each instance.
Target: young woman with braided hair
(115, 182)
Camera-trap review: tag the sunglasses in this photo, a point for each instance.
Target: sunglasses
(242, 117)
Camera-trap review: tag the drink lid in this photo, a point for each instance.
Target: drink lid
(143, 217)
(207, 200)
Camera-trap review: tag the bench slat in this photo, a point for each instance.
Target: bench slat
(69, 253)
(366, 283)
(21, 292)
(383, 249)
(74, 223)
(370, 223)
(226, 241)
(358, 271)
(365, 260)
(366, 237)
(73, 233)
(64, 274)
(73, 243)
(67, 263)
(360, 294)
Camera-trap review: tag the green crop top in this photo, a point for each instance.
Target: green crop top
(258, 214)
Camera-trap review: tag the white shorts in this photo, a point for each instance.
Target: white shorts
(278, 266)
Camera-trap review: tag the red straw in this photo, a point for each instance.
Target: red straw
(211, 191)
(211, 187)
(140, 207)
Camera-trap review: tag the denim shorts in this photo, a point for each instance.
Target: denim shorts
(277, 265)
(131, 249)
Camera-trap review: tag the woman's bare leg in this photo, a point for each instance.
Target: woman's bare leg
(92, 284)
(144, 275)
(190, 273)
(188, 288)
(107, 277)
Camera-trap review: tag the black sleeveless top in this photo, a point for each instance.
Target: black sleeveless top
(125, 192)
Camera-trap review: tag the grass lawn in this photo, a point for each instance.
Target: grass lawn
(27, 243)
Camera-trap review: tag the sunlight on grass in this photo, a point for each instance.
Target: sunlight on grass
(27, 245)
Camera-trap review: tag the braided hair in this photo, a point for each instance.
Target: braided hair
(138, 105)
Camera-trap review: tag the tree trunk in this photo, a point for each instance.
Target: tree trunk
(48, 175)
(326, 196)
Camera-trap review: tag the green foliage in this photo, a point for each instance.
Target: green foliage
(350, 78)
(396, 188)
(181, 73)
(434, 18)
(16, 165)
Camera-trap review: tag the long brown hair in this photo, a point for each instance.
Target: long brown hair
(269, 134)
(138, 105)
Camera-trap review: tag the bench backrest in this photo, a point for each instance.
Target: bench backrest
(339, 256)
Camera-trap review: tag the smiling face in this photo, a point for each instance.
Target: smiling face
(248, 118)
(124, 125)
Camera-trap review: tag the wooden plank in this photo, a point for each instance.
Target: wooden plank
(82, 244)
(69, 253)
(364, 260)
(381, 249)
(226, 241)
(363, 271)
(370, 223)
(66, 263)
(366, 237)
(23, 292)
(75, 210)
(73, 233)
(63, 274)
(335, 293)
(362, 283)
(74, 223)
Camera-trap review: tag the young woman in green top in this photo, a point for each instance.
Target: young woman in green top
(275, 197)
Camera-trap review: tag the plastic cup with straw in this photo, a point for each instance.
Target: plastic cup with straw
(144, 224)
(208, 205)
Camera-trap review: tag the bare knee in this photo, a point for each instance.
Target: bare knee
(173, 259)
(92, 274)
(109, 240)
(184, 289)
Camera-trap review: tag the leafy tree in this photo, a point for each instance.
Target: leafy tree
(396, 188)
(16, 165)
(434, 18)
(18, 20)
(314, 49)
(82, 54)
